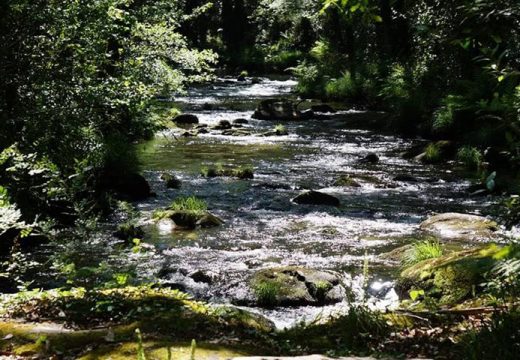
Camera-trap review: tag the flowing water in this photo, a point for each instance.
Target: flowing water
(263, 228)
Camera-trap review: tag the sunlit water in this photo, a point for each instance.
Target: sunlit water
(263, 227)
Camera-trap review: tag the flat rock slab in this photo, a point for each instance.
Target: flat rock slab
(460, 226)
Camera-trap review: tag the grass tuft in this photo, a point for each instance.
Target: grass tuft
(423, 250)
(267, 293)
(190, 203)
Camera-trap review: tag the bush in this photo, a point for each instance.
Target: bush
(499, 339)
(345, 87)
(310, 80)
(470, 156)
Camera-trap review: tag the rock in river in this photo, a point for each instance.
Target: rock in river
(186, 119)
(189, 220)
(323, 108)
(460, 226)
(316, 198)
(296, 286)
(277, 109)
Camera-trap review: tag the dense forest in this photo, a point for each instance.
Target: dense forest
(119, 116)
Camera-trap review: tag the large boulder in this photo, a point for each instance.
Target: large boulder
(126, 186)
(316, 198)
(460, 226)
(449, 279)
(186, 119)
(277, 109)
(296, 286)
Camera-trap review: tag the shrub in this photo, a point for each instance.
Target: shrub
(497, 340)
(432, 153)
(310, 80)
(444, 117)
(345, 87)
(395, 87)
(470, 156)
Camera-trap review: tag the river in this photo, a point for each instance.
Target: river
(263, 228)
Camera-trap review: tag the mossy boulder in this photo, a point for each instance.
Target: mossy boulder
(346, 181)
(241, 172)
(277, 109)
(450, 279)
(296, 286)
(460, 226)
(171, 181)
(437, 152)
(316, 198)
(189, 220)
(128, 232)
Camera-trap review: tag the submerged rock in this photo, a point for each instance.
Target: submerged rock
(460, 226)
(316, 198)
(370, 158)
(240, 121)
(346, 181)
(405, 178)
(222, 125)
(323, 108)
(276, 109)
(296, 286)
(186, 119)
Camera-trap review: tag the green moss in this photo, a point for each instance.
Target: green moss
(452, 278)
(241, 172)
(160, 350)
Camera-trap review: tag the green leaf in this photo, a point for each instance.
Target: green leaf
(415, 294)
